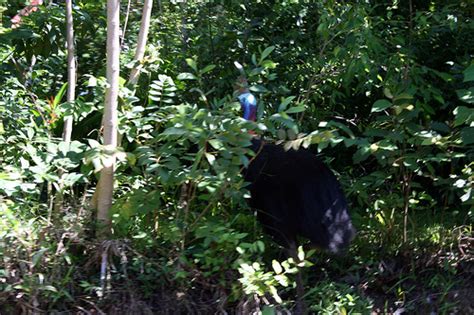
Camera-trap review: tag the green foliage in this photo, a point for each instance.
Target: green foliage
(333, 298)
(383, 92)
(32, 262)
(256, 280)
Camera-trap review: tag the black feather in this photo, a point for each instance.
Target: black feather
(297, 195)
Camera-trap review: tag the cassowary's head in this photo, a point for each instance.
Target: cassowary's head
(247, 100)
(249, 105)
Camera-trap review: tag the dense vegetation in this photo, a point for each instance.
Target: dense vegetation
(381, 90)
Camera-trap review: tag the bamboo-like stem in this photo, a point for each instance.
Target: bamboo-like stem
(142, 39)
(105, 186)
(71, 70)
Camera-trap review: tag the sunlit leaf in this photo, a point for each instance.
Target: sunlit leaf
(463, 115)
(380, 105)
(192, 63)
(466, 95)
(186, 76)
(277, 267)
(59, 95)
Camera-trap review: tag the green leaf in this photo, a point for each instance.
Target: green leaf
(467, 135)
(71, 178)
(275, 295)
(256, 71)
(440, 127)
(467, 196)
(296, 109)
(443, 75)
(208, 68)
(174, 131)
(48, 288)
(38, 255)
(268, 64)
(387, 93)
(92, 82)
(258, 88)
(362, 154)
(210, 158)
(323, 30)
(464, 115)
(192, 63)
(239, 67)
(59, 95)
(216, 144)
(403, 96)
(260, 246)
(139, 235)
(466, 95)
(186, 76)
(254, 59)
(266, 52)
(469, 73)
(300, 253)
(380, 105)
(93, 143)
(342, 127)
(277, 267)
(268, 310)
(285, 102)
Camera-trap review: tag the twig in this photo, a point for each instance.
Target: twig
(95, 306)
(122, 40)
(315, 75)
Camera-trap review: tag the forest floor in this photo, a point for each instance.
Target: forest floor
(434, 281)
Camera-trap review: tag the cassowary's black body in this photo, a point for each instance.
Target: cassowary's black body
(297, 195)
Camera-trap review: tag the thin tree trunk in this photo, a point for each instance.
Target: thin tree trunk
(124, 30)
(406, 202)
(105, 185)
(71, 95)
(142, 39)
(184, 31)
(71, 70)
(140, 50)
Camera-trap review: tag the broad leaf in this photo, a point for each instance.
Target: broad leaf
(380, 105)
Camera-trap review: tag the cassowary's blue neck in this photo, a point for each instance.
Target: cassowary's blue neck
(249, 105)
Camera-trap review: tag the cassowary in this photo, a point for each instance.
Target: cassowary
(295, 194)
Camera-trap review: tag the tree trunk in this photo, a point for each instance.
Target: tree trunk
(106, 182)
(184, 31)
(71, 70)
(142, 39)
(71, 95)
(140, 50)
